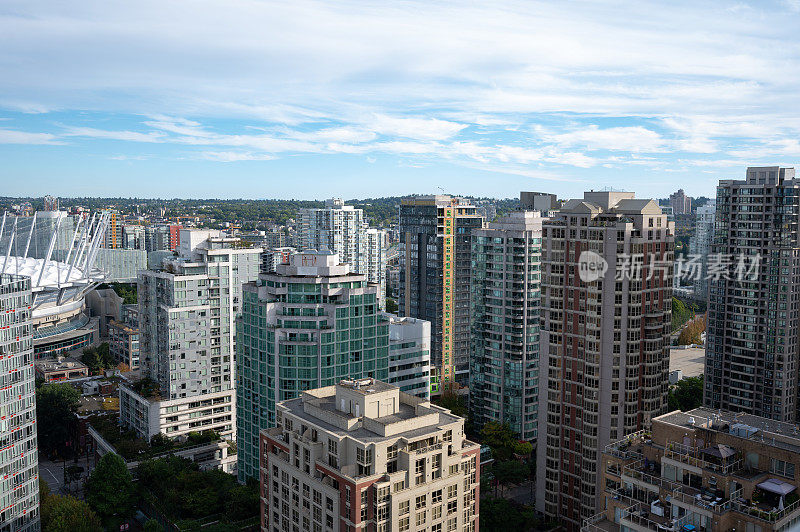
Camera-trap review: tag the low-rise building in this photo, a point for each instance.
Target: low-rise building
(362, 455)
(146, 412)
(711, 469)
(60, 369)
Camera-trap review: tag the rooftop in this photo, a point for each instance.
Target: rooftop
(748, 426)
(59, 364)
(369, 410)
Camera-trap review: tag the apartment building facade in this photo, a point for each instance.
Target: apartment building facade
(605, 336)
(187, 328)
(341, 229)
(123, 343)
(362, 455)
(680, 203)
(410, 355)
(700, 248)
(713, 470)
(310, 324)
(435, 264)
(19, 465)
(752, 323)
(506, 277)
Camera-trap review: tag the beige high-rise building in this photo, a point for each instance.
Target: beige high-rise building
(604, 356)
(362, 455)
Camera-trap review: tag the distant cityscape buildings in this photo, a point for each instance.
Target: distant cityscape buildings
(342, 229)
(550, 317)
(680, 203)
(700, 247)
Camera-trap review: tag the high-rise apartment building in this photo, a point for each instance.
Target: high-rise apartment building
(435, 247)
(680, 203)
(337, 228)
(605, 334)
(752, 341)
(362, 455)
(506, 276)
(187, 331)
(341, 229)
(375, 259)
(19, 466)
(113, 238)
(133, 237)
(271, 258)
(50, 203)
(700, 248)
(310, 324)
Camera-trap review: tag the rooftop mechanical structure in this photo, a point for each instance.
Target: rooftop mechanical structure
(57, 252)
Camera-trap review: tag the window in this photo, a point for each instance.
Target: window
(452, 491)
(436, 513)
(421, 518)
(436, 496)
(782, 468)
(404, 507)
(403, 524)
(452, 506)
(451, 524)
(421, 500)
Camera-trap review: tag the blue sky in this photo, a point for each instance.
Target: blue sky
(303, 99)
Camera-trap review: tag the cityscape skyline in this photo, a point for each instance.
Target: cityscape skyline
(519, 96)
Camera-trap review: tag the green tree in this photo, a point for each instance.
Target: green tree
(56, 405)
(453, 402)
(391, 306)
(64, 513)
(510, 472)
(499, 437)
(680, 314)
(242, 501)
(109, 490)
(523, 448)
(686, 394)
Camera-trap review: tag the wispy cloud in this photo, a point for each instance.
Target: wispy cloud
(9, 136)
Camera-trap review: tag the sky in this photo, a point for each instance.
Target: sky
(308, 100)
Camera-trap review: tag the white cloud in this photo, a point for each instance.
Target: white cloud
(232, 156)
(632, 139)
(414, 128)
(10, 136)
(133, 136)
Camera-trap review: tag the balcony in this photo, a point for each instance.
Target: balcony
(642, 518)
(705, 499)
(648, 473)
(630, 447)
(719, 459)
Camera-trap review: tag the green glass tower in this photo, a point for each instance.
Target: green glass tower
(310, 324)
